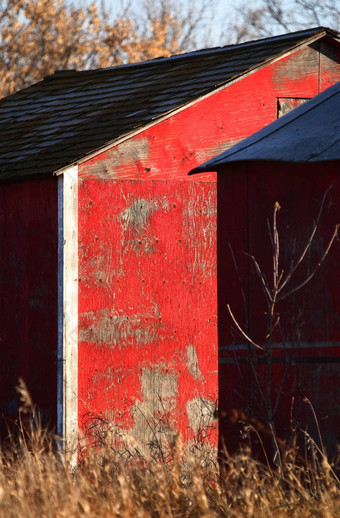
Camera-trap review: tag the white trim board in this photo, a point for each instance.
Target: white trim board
(67, 399)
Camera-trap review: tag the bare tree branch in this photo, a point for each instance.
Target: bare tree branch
(265, 285)
(244, 300)
(308, 245)
(241, 330)
(270, 17)
(306, 281)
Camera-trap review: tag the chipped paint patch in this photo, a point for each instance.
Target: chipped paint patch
(105, 327)
(199, 220)
(97, 270)
(137, 215)
(192, 362)
(136, 225)
(144, 245)
(131, 151)
(205, 154)
(300, 65)
(201, 413)
(154, 414)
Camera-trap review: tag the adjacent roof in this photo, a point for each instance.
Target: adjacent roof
(70, 115)
(309, 133)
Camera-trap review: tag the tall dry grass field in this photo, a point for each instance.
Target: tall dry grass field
(36, 481)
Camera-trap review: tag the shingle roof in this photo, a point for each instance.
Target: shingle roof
(309, 133)
(71, 114)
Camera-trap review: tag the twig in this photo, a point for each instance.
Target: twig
(241, 330)
(265, 285)
(309, 242)
(282, 383)
(306, 281)
(276, 248)
(240, 283)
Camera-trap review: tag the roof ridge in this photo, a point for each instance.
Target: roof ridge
(72, 115)
(313, 31)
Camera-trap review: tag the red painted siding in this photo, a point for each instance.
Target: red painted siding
(147, 240)
(173, 147)
(309, 319)
(28, 284)
(147, 314)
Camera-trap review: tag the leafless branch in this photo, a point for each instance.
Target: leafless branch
(306, 281)
(270, 17)
(308, 245)
(282, 383)
(264, 282)
(257, 381)
(274, 294)
(276, 241)
(240, 283)
(241, 330)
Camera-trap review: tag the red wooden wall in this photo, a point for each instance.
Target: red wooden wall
(147, 256)
(309, 332)
(148, 280)
(28, 302)
(146, 264)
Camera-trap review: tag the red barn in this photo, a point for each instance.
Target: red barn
(108, 248)
(295, 161)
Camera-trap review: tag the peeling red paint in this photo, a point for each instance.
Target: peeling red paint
(149, 272)
(148, 254)
(150, 311)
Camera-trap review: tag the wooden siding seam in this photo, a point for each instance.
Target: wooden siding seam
(60, 361)
(283, 346)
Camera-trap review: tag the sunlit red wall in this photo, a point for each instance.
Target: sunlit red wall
(148, 287)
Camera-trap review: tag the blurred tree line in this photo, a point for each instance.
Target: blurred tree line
(38, 37)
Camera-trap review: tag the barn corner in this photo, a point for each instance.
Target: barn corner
(67, 385)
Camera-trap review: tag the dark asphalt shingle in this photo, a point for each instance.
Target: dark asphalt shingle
(71, 114)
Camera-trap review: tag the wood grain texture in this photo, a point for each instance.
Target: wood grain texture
(149, 273)
(308, 335)
(28, 302)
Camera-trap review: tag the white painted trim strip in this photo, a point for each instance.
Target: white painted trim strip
(171, 113)
(68, 310)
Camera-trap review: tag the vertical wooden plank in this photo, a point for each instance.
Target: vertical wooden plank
(147, 307)
(68, 310)
(28, 305)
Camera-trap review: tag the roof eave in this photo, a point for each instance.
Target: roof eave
(218, 168)
(115, 142)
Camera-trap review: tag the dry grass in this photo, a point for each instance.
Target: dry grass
(35, 481)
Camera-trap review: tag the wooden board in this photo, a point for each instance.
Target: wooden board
(147, 258)
(28, 304)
